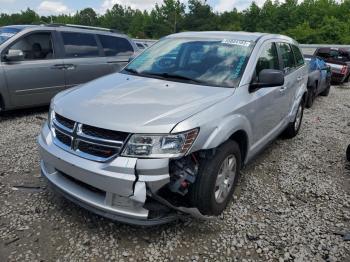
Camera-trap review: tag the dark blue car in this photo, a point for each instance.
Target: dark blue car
(319, 80)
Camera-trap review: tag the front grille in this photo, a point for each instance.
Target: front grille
(87, 141)
(64, 121)
(104, 133)
(97, 150)
(63, 138)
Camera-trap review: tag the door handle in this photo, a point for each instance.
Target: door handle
(299, 78)
(58, 66)
(283, 88)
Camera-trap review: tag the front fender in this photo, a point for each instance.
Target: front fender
(226, 128)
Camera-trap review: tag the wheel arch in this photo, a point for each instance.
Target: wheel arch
(241, 138)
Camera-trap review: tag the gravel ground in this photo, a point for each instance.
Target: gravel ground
(292, 203)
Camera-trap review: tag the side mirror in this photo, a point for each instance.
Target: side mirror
(268, 78)
(14, 55)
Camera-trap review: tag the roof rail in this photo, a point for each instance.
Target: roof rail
(84, 27)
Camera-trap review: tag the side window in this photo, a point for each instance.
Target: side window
(79, 45)
(287, 56)
(36, 46)
(268, 59)
(298, 56)
(113, 46)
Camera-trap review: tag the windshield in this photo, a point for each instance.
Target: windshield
(6, 33)
(217, 62)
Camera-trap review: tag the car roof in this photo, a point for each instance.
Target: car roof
(20, 27)
(69, 28)
(245, 36)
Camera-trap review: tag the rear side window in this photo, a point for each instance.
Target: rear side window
(299, 59)
(268, 58)
(113, 46)
(287, 56)
(80, 45)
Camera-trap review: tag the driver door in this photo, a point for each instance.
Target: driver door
(267, 103)
(38, 77)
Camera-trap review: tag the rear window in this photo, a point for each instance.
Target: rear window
(113, 46)
(80, 45)
(299, 59)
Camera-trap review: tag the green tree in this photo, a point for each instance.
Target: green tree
(303, 33)
(200, 17)
(86, 16)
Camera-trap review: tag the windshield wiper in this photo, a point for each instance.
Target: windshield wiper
(173, 76)
(131, 70)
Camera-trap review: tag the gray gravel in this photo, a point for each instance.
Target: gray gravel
(292, 203)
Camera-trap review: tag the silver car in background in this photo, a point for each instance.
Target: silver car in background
(169, 134)
(38, 61)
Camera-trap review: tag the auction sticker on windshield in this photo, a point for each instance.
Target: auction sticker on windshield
(236, 42)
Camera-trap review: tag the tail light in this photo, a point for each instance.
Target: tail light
(344, 70)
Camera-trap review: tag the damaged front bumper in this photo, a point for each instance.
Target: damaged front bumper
(120, 189)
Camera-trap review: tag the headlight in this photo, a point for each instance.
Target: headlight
(51, 116)
(160, 146)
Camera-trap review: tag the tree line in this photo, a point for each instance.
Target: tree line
(310, 21)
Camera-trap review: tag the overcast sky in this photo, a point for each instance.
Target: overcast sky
(71, 6)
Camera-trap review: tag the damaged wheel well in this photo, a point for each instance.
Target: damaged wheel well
(242, 139)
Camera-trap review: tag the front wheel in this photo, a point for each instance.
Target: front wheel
(293, 128)
(216, 179)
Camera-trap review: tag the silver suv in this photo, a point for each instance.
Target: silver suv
(38, 61)
(169, 134)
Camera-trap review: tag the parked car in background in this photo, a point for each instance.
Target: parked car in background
(38, 61)
(170, 135)
(339, 61)
(319, 79)
(141, 46)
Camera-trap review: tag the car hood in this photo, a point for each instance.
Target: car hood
(136, 104)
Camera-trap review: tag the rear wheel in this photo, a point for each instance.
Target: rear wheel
(293, 128)
(311, 96)
(216, 179)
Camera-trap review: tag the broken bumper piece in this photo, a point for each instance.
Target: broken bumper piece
(119, 190)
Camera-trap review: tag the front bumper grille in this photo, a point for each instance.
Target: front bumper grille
(87, 141)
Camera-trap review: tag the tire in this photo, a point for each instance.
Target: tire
(348, 153)
(311, 96)
(293, 128)
(326, 91)
(205, 192)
